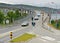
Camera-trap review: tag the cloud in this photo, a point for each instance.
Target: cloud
(32, 2)
(28, 1)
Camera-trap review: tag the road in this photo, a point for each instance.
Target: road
(43, 35)
(18, 31)
(16, 24)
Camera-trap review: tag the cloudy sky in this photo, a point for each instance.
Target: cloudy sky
(33, 2)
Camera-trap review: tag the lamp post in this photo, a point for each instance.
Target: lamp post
(49, 13)
(56, 15)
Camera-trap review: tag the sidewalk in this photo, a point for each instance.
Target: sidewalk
(18, 29)
(55, 31)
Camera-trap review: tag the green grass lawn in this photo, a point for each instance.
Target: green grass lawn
(53, 23)
(24, 37)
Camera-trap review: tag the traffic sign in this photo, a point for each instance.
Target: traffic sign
(11, 35)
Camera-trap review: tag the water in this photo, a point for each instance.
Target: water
(53, 16)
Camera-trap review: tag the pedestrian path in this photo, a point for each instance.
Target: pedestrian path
(57, 32)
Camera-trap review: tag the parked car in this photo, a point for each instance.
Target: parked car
(24, 24)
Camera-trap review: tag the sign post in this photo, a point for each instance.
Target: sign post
(11, 35)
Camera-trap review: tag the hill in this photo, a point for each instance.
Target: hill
(46, 9)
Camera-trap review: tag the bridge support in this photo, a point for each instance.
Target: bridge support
(45, 18)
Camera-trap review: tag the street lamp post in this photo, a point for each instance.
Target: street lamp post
(49, 14)
(56, 15)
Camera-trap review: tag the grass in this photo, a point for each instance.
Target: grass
(24, 37)
(53, 24)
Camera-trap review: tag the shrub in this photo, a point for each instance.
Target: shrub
(52, 21)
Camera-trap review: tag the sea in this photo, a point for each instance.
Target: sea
(55, 16)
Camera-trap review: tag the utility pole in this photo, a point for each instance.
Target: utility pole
(56, 15)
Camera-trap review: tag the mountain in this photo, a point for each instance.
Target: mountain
(46, 9)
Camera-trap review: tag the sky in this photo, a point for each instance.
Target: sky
(34, 2)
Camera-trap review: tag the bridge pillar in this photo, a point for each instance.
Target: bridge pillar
(45, 17)
(42, 17)
(28, 11)
(49, 18)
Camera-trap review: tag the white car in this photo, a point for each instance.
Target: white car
(36, 18)
(38, 15)
(25, 24)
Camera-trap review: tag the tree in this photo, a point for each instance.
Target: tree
(52, 21)
(11, 16)
(1, 17)
(17, 14)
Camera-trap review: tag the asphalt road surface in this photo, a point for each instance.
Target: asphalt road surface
(16, 25)
(43, 35)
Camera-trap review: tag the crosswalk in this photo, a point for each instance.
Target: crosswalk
(58, 41)
(42, 38)
(48, 38)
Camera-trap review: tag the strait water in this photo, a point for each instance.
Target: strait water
(53, 16)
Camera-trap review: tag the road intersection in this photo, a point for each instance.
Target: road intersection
(43, 35)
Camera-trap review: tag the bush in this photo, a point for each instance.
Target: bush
(59, 21)
(57, 25)
(52, 21)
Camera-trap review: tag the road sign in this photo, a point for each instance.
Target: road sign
(11, 35)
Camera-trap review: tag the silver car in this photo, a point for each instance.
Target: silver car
(24, 24)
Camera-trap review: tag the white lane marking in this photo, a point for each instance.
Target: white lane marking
(48, 38)
(58, 41)
(30, 32)
(42, 40)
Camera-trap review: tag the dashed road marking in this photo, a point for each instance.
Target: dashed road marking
(43, 40)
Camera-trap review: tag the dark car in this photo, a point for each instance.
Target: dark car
(33, 23)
